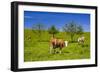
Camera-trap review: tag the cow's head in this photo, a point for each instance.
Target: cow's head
(66, 43)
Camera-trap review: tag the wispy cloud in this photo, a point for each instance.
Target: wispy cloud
(28, 17)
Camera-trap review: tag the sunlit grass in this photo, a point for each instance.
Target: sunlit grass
(39, 51)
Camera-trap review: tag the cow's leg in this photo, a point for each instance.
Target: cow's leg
(60, 51)
(82, 43)
(51, 49)
(57, 50)
(54, 50)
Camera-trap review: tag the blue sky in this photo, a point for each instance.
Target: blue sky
(56, 18)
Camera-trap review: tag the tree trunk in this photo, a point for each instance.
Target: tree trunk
(53, 35)
(72, 38)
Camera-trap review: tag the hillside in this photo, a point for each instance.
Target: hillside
(37, 48)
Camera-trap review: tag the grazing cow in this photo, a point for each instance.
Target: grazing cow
(81, 40)
(57, 43)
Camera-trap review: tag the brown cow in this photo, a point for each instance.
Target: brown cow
(57, 43)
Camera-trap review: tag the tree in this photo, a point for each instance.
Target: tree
(52, 30)
(38, 29)
(72, 28)
(79, 30)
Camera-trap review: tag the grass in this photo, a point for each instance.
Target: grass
(39, 51)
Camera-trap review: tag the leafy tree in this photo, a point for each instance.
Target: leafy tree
(52, 30)
(79, 30)
(72, 28)
(38, 30)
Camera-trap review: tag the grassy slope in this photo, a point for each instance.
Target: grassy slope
(39, 51)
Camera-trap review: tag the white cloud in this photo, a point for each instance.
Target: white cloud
(27, 17)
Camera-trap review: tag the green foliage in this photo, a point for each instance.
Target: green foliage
(79, 30)
(52, 30)
(72, 28)
(37, 29)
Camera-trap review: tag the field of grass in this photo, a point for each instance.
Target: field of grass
(35, 50)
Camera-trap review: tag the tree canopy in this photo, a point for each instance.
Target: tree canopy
(38, 29)
(73, 28)
(52, 30)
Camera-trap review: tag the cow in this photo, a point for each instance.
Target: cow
(57, 43)
(81, 40)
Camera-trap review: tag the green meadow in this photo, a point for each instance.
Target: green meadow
(37, 48)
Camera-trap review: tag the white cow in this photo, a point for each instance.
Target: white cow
(81, 40)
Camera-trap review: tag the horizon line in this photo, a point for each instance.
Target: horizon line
(46, 29)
